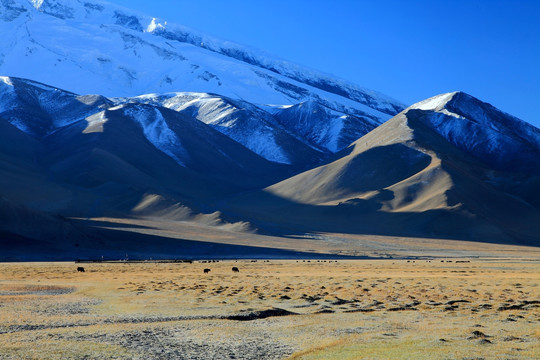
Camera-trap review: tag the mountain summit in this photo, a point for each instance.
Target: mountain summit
(498, 138)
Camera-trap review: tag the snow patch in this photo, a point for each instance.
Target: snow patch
(435, 103)
(6, 80)
(157, 131)
(37, 3)
(438, 104)
(264, 144)
(154, 25)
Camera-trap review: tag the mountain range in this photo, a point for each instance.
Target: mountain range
(109, 117)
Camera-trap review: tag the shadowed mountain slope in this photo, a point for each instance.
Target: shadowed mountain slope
(64, 155)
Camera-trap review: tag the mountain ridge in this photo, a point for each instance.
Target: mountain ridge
(92, 47)
(109, 14)
(145, 158)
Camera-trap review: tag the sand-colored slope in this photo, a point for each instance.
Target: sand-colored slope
(401, 178)
(385, 160)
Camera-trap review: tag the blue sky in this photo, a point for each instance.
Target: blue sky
(409, 50)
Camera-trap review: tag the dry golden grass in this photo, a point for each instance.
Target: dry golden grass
(385, 309)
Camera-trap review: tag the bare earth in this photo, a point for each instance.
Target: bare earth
(319, 309)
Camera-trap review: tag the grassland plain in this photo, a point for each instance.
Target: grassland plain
(299, 309)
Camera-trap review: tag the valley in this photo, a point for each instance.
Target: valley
(297, 309)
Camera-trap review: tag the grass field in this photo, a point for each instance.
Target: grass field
(299, 309)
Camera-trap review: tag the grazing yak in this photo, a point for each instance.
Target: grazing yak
(206, 271)
(80, 269)
(235, 269)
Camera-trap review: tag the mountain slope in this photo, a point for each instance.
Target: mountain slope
(502, 140)
(243, 122)
(323, 127)
(92, 47)
(409, 176)
(87, 147)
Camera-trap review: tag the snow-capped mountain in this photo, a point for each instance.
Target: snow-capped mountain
(93, 47)
(243, 122)
(322, 126)
(451, 166)
(498, 138)
(53, 116)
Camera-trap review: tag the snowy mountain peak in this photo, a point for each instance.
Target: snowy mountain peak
(464, 106)
(498, 138)
(6, 80)
(435, 103)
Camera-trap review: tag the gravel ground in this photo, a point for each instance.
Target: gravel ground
(180, 342)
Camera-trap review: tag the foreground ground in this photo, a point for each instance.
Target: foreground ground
(376, 309)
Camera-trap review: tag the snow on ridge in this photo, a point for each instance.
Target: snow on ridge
(157, 131)
(264, 144)
(110, 14)
(435, 103)
(37, 3)
(6, 80)
(8, 98)
(214, 111)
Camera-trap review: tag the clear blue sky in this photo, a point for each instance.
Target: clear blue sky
(409, 50)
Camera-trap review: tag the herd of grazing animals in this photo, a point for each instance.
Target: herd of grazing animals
(206, 270)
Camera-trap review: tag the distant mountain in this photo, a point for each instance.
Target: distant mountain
(451, 166)
(92, 47)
